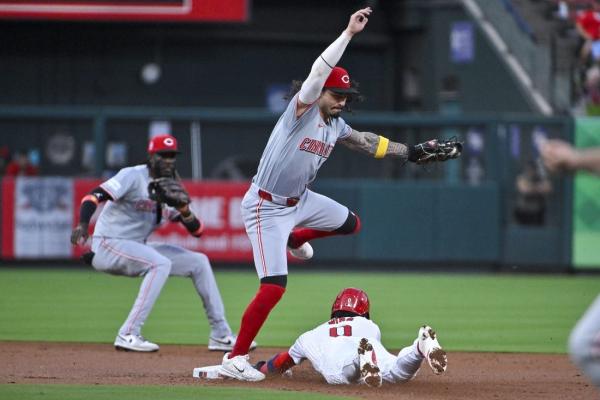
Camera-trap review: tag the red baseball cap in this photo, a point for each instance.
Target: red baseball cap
(162, 144)
(339, 81)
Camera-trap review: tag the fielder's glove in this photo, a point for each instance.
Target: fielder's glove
(169, 191)
(80, 234)
(435, 150)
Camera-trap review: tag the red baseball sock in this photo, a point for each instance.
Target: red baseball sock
(299, 236)
(256, 314)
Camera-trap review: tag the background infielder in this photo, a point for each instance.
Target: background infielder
(584, 341)
(278, 199)
(141, 198)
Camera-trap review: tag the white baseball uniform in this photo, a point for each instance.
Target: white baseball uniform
(584, 342)
(119, 244)
(297, 148)
(332, 349)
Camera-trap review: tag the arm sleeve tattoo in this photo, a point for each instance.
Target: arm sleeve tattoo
(367, 142)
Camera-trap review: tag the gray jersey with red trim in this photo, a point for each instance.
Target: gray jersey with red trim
(131, 215)
(296, 150)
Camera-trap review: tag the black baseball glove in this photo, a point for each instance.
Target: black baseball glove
(435, 150)
(169, 191)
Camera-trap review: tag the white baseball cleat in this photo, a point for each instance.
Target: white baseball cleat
(429, 347)
(304, 252)
(367, 362)
(239, 368)
(134, 343)
(225, 343)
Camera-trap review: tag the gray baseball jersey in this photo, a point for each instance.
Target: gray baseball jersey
(132, 215)
(294, 153)
(296, 150)
(119, 244)
(332, 349)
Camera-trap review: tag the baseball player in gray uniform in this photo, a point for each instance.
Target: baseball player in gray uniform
(584, 341)
(119, 245)
(347, 348)
(279, 211)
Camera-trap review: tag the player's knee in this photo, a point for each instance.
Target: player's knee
(201, 260)
(350, 226)
(279, 280)
(199, 265)
(164, 266)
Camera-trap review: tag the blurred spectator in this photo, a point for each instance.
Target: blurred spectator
(4, 158)
(532, 188)
(562, 10)
(586, 74)
(592, 84)
(587, 23)
(20, 165)
(584, 341)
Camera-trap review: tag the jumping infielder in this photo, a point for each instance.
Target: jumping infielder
(279, 200)
(140, 200)
(584, 341)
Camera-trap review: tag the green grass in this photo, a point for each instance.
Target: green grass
(111, 392)
(517, 313)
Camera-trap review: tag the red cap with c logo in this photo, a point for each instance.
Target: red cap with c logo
(162, 144)
(338, 81)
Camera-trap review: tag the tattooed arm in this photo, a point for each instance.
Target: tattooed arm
(375, 145)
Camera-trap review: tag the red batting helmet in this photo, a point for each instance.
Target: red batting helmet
(339, 81)
(353, 300)
(162, 144)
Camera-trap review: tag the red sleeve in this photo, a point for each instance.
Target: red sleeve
(12, 169)
(279, 363)
(30, 170)
(580, 17)
(590, 23)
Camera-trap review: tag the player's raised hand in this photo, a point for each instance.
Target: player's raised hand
(80, 234)
(558, 155)
(358, 20)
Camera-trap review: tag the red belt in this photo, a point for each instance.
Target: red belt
(284, 201)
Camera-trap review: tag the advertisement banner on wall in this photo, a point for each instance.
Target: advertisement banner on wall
(42, 217)
(81, 187)
(217, 205)
(8, 216)
(131, 10)
(586, 203)
(462, 42)
(38, 215)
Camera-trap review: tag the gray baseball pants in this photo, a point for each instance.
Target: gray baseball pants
(156, 262)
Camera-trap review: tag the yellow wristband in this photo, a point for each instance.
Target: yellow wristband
(382, 147)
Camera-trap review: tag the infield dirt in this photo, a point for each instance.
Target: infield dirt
(479, 376)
